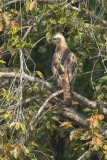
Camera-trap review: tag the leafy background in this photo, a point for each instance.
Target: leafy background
(86, 36)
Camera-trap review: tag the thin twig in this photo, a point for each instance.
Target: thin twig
(37, 43)
(27, 32)
(100, 70)
(4, 83)
(14, 106)
(76, 97)
(26, 76)
(69, 7)
(44, 104)
(21, 80)
(85, 153)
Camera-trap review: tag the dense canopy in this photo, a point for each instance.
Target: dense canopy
(34, 123)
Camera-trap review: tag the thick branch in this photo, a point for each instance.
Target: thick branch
(93, 105)
(76, 97)
(72, 114)
(25, 76)
(4, 83)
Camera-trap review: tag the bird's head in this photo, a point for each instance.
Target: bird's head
(58, 39)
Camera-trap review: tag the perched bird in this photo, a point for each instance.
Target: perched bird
(64, 64)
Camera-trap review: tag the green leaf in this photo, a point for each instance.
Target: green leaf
(22, 126)
(51, 6)
(96, 123)
(55, 118)
(2, 110)
(52, 21)
(27, 5)
(15, 98)
(8, 115)
(48, 35)
(4, 92)
(54, 126)
(66, 125)
(1, 61)
(44, 22)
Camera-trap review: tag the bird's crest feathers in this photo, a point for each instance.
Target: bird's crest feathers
(59, 35)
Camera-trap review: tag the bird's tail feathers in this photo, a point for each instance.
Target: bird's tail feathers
(67, 95)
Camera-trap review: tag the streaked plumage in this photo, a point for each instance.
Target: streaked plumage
(64, 66)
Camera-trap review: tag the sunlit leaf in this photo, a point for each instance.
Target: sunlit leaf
(12, 125)
(52, 21)
(1, 61)
(17, 125)
(85, 136)
(40, 74)
(105, 147)
(73, 135)
(16, 152)
(35, 144)
(22, 126)
(1, 26)
(50, 6)
(4, 92)
(99, 141)
(93, 141)
(96, 123)
(48, 35)
(105, 156)
(11, 50)
(101, 117)
(66, 125)
(15, 98)
(25, 149)
(12, 23)
(27, 5)
(8, 146)
(92, 119)
(8, 115)
(33, 5)
(2, 110)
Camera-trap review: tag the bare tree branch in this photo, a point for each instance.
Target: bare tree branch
(4, 83)
(72, 114)
(14, 106)
(14, 1)
(25, 76)
(44, 104)
(100, 70)
(28, 30)
(76, 97)
(85, 153)
(92, 105)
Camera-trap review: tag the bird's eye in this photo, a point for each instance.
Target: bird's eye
(54, 38)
